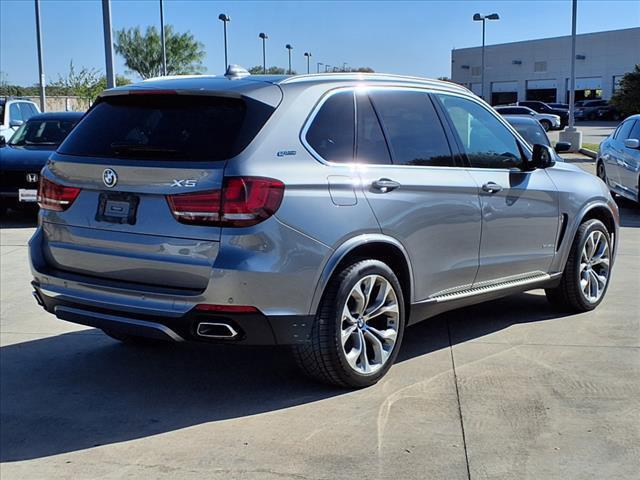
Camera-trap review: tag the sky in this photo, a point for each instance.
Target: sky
(412, 38)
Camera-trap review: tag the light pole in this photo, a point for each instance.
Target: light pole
(108, 43)
(289, 47)
(308, 55)
(571, 134)
(264, 37)
(326, 67)
(164, 47)
(225, 19)
(477, 18)
(318, 67)
(43, 103)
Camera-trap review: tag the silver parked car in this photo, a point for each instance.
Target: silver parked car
(325, 212)
(618, 163)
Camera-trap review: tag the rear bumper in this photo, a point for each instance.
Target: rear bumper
(239, 328)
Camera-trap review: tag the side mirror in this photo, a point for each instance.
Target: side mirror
(563, 147)
(3, 142)
(543, 157)
(632, 143)
(15, 123)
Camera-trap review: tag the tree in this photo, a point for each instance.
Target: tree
(627, 96)
(257, 70)
(143, 53)
(86, 83)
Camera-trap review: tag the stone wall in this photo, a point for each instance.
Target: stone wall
(63, 103)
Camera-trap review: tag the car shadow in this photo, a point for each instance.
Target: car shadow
(629, 212)
(80, 390)
(19, 219)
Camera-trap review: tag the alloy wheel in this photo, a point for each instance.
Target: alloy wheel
(369, 324)
(594, 266)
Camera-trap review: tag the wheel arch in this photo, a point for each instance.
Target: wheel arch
(368, 246)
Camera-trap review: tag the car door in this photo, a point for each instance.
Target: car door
(418, 193)
(614, 158)
(629, 165)
(520, 216)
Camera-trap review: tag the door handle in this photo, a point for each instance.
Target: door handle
(491, 187)
(384, 185)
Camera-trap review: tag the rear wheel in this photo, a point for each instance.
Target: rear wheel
(546, 124)
(358, 328)
(586, 274)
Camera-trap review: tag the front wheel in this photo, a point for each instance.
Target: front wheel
(586, 275)
(546, 124)
(358, 328)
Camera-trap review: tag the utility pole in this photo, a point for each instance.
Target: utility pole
(164, 47)
(108, 43)
(43, 100)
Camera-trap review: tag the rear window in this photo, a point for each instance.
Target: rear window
(167, 127)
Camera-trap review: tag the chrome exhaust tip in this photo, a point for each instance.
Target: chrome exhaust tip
(216, 330)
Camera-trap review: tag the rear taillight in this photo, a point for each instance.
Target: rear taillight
(52, 196)
(242, 202)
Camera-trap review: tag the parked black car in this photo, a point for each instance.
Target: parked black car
(588, 109)
(542, 107)
(24, 155)
(608, 112)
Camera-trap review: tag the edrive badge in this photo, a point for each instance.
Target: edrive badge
(109, 177)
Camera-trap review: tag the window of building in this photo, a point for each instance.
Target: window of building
(332, 134)
(413, 129)
(540, 67)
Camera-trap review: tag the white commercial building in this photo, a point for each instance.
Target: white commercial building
(540, 69)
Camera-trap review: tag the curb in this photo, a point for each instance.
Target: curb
(588, 153)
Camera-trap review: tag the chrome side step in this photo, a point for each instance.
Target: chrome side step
(491, 287)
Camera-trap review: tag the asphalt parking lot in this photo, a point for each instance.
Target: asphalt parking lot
(509, 389)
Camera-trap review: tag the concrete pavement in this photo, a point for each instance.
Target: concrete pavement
(592, 132)
(509, 389)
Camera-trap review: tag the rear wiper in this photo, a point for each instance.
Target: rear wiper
(124, 148)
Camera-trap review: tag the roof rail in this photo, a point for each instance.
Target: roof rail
(368, 76)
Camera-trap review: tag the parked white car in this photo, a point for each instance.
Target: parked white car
(13, 113)
(547, 120)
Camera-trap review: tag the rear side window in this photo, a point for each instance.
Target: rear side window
(167, 127)
(331, 133)
(486, 141)
(625, 129)
(371, 145)
(413, 129)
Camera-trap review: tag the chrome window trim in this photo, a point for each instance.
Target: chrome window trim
(353, 88)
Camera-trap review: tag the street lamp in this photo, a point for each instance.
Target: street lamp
(164, 48)
(264, 37)
(318, 67)
(289, 47)
(481, 18)
(225, 19)
(308, 55)
(43, 100)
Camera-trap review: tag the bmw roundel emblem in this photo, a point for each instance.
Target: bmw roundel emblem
(109, 177)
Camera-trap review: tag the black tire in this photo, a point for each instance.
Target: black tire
(568, 295)
(323, 357)
(133, 340)
(546, 124)
(601, 172)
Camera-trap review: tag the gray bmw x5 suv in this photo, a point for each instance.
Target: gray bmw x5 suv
(322, 212)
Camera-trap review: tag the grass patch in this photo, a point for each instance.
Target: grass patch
(591, 146)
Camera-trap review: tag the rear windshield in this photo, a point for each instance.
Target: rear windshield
(167, 127)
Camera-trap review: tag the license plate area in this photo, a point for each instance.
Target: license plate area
(27, 195)
(117, 208)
